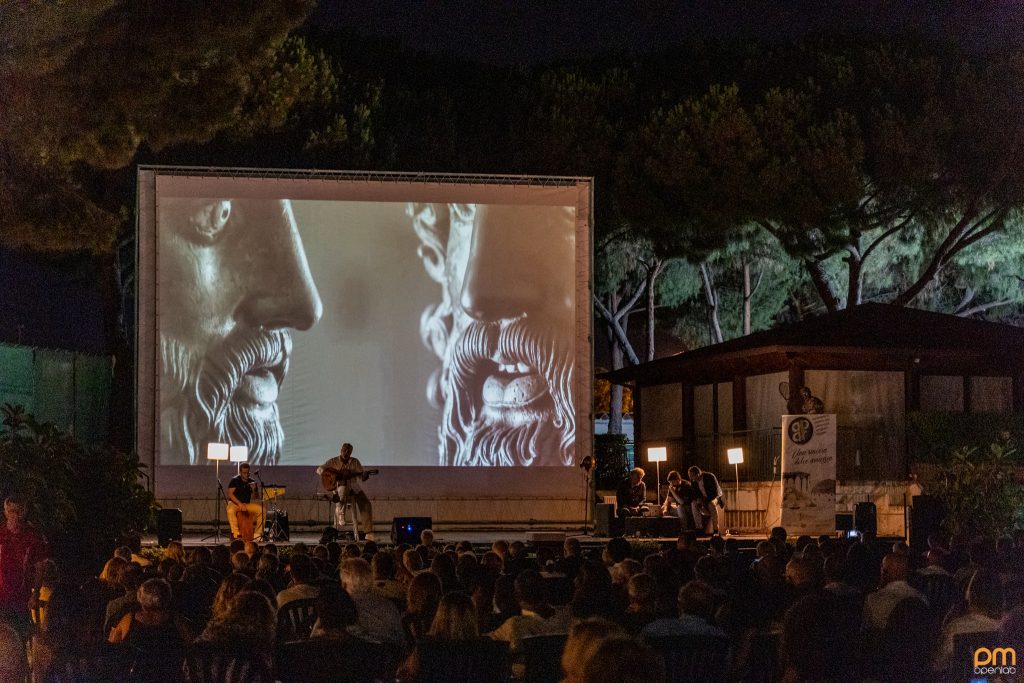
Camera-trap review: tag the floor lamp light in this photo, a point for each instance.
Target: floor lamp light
(217, 452)
(657, 455)
(735, 456)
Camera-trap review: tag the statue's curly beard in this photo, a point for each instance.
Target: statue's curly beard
(538, 430)
(199, 402)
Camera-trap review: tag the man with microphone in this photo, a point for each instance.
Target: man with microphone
(240, 497)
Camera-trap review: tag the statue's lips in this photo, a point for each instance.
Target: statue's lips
(513, 396)
(259, 386)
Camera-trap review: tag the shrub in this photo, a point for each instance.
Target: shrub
(981, 490)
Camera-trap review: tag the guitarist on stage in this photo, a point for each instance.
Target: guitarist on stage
(347, 474)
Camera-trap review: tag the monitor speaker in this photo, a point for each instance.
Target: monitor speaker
(407, 529)
(926, 518)
(604, 516)
(168, 526)
(865, 518)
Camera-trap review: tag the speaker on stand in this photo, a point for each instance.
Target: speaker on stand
(168, 526)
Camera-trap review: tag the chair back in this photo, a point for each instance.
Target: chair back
(542, 656)
(329, 660)
(693, 659)
(216, 663)
(295, 620)
(463, 661)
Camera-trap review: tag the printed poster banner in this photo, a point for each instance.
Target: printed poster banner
(809, 474)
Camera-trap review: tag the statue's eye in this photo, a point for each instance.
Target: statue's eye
(209, 219)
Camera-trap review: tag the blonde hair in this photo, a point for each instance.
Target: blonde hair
(455, 618)
(585, 638)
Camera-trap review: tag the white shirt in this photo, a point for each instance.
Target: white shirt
(353, 466)
(880, 604)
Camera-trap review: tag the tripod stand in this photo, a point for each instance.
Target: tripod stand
(271, 531)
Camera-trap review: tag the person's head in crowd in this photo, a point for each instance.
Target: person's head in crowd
(505, 602)
(616, 550)
(321, 553)
(585, 637)
(300, 548)
(501, 548)
(201, 555)
(13, 663)
(175, 551)
(449, 548)
(709, 570)
(835, 569)
(250, 620)
(861, 567)
(237, 545)
(778, 533)
(131, 577)
(901, 548)
(229, 589)
(935, 557)
(412, 561)
(267, 565)
(168, 569)
(985, 593)
(804, 575)
(334, 551)
(16, 512)
(594, 595)
(530, 593)
(812, 551)
(894, 568)
(443, 566)
(369, 550)
(427, 538)
(111, 573)
(492, 562)
(240, 561)
(270, 549)
(463, 546)
(221, 559)
(815, 647)
(455, 618)
(697, 599)
(545, 557)
(623, 571)
(351, 552)
(687, 541)
(263, 587)
(802, 541)
(623, 660)
(717, 545)
(636, 475)
(154, 595)
(641, 591)
(252, 549)
(571, 548)
(503, 331)
(516, 550)
(467, 567)
(938, 541)
(764, 548)
(236, 284)
(335, 609)
(356, 576)
(425, 553)
(383, 566)
(301, 570)
(124, 552)
(423, 595)
(68, 619)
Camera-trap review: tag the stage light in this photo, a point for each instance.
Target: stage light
(239, 453)
(217, 451)
(735, 456)
(657, 455)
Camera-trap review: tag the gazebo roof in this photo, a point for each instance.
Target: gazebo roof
(869, 336)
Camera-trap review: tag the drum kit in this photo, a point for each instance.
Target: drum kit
(275, 525)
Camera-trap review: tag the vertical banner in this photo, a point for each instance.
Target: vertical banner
(809, 474)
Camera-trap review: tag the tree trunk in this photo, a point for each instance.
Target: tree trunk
(652, 277)
(711, 293)
(855, 273)
(121, 416)
(821, 284)
(747, 294)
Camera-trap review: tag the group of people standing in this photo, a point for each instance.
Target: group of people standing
(696, 501)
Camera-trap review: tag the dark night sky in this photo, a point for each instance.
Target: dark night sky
(524, 31)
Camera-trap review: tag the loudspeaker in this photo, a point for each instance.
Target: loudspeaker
(278, 532)
(844, 521)
(168, 526)
(865, 518)
(407, 529)
(604, 514)
(925, 519)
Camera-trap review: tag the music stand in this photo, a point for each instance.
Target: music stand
(217, 452)
(735, 456)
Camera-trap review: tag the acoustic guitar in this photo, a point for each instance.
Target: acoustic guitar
(331, 478)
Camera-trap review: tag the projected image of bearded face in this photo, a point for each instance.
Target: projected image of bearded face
(234, 283)
(504, 331)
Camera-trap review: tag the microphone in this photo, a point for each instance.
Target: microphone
(256, 473)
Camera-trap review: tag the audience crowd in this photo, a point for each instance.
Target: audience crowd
(814, 610)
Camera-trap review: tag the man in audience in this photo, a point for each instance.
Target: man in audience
(934, 564)
(893, 589)
(984, 612)
(536, 616)
(383, 566)
(696, 609)
(302, 573)
(572, 558)
(379, 619)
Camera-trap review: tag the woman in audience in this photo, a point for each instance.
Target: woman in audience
(622, 660)
(175, 551)
(248, 623)
(444, 568)
(640, 611)
(455, 618)
(421, 603)
(153, 626)
(585, 637)
(229, 588)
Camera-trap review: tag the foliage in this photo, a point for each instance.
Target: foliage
(610, 456)
(934, 436)
(603, 397)
(981, 490)
(83, 499)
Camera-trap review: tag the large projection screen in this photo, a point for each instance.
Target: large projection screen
(439, 324)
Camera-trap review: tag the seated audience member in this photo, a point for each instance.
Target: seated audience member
(263, 587)
(984, 613)
(175, 551)
(572, 558)
(336, 614)
(443, 567)
(301, 586)
(13, 665)
(500, 548)
(154, 626)
(594, 595)
(455, 621)
(65, 635)
(229, 589)
(631, 495)
(934, 563)
(804, 576)
(427, 541)
(616, 550)
(585, 637)
(623, 660)
(893, 588)
(536, 616)
(696, 605)
(640, 611)
(129, 578)
(383, 567)
(248, 623)
(814, 647)
(134, 543)
(268, 568)
(517, 560)
(379, 619)
(240, 562)
(421, 603)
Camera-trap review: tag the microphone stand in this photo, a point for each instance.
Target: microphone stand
(263, 507)
(221, 495)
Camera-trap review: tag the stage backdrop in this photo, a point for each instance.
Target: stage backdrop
(809, 474)
(433, 322)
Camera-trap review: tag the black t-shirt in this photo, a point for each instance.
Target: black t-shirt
(243, 490)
